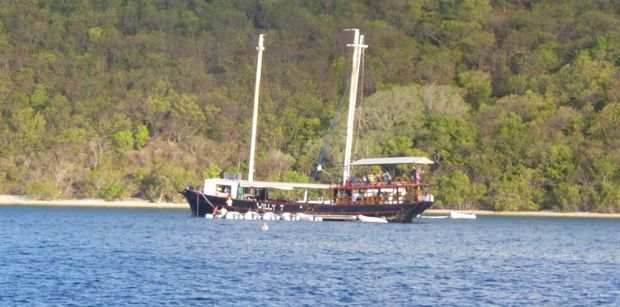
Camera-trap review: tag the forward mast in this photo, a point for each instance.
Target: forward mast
(259, 62)
(358, 47)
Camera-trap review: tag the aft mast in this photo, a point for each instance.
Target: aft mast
(358, 46)
(259, 62)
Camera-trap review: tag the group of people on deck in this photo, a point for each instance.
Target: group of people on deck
(415, 175)
(372, 179)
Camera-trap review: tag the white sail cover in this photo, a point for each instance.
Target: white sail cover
(283, 185)
(393, 160)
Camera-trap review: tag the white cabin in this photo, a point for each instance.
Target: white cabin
(221, 187)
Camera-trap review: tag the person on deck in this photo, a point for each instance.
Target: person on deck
(413, 174)
(387, 178)
(428, 197)
(419, 172)
(371, 178)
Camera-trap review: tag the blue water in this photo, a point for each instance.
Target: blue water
(109, 257)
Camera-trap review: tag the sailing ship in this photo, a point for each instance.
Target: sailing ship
(396, 200)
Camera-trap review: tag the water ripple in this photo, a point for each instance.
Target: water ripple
(102, 257)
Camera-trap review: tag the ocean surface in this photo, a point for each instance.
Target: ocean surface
(154, 257)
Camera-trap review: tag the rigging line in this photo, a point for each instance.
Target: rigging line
(208, 202)
(331, 131)
(361, 105)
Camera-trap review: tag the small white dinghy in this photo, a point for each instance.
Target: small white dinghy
(309, 218)
(433, 216)
(305, 217)
(371, 219)
(458, 215)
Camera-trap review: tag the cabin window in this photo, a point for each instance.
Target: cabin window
(223, 189)
(263, 194)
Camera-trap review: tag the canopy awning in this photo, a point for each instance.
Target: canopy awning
(393, 160)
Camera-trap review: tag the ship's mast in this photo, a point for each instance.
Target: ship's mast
(358, 46)
(259, 62)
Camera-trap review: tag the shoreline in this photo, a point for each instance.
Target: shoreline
(431, 212)
(14, 200)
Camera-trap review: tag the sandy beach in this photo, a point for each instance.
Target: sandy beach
(8, 200)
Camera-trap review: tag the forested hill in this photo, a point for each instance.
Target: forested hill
(122, 98)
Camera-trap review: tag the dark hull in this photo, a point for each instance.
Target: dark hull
(201, 204)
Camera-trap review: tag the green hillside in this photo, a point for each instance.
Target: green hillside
(119, 98)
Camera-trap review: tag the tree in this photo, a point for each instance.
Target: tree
(163, 181)
(455, 190)
(478, 86)
(28, 127)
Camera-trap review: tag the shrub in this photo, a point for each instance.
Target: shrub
(113, 191)
(42, 189)
(123, 141)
